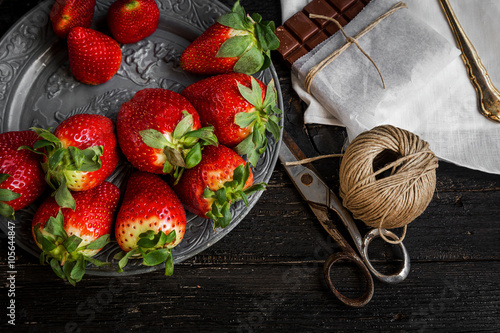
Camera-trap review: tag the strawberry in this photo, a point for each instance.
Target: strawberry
(159, 132)
(67, 14)
(236, 106)
(21, 177)
(93, 57)
(236, 42)
(80, 154)
(133, 20)
(151, 221)
(70, 238)
(219, 180)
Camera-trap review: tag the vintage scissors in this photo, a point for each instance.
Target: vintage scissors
(321, 199)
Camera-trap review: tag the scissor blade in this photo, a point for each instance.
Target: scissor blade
(313, 189)
(307, 181)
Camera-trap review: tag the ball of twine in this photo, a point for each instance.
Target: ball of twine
(387, 178)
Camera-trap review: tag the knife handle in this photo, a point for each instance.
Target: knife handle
(487, 94)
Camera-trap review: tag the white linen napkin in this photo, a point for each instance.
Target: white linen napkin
(446, 109)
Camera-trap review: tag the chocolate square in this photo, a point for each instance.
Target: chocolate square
(300, 34)
(320, 8)
(301, 26)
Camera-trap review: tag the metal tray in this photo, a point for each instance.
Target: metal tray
(37, 89)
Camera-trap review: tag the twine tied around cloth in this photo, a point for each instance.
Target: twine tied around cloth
(349, 41)
(394, 200)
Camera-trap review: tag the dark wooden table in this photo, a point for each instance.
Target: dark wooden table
(266, 275)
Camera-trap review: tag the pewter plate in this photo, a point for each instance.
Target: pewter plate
(37, 89)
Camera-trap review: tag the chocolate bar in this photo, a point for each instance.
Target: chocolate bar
(300, 34)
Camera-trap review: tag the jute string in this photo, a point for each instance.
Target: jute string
(397, 199)
(349, 41)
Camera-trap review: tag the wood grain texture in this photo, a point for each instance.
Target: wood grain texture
(266, 275)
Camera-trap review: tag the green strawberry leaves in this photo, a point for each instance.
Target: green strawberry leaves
(254, 94)
(63, 195)
(60, 160)
(263, 119)
(231, 192)
(235, 46)
(250, 62)
(123, 258)
(64, 253)
(205, 134)
(7, 195)
(193, 157)
(55, 226)
(154, 139)
(156, 257)
(245, 119)
(184, 126)
(183, 147)
(265, 33)
(253, 42)
(86, 160)
(236, 18)
(152, 247)
(7, 211)
(99, 243)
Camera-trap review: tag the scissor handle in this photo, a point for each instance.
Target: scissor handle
(351, 257)
(405, 266)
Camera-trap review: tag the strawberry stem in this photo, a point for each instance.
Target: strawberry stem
(63, 253)
(60, 161)
(154, 250)
(131, 5)
(250, 19)
(231, 192)
(264, 119)
(7, 195)
(182, 149)
(254, 53)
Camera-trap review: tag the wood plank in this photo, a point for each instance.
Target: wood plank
(251, 297)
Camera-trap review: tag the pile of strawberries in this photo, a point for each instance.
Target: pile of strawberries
(94, 57)
(186, 149)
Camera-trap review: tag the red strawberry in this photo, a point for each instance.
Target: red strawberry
(80, 154)
(21, 177)
(133, 20)
(236, 42)
(159, 132)
(151, 221)
(67, 14)
(70, 238)
(93, 57)
(236, 106)
(210, 188)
